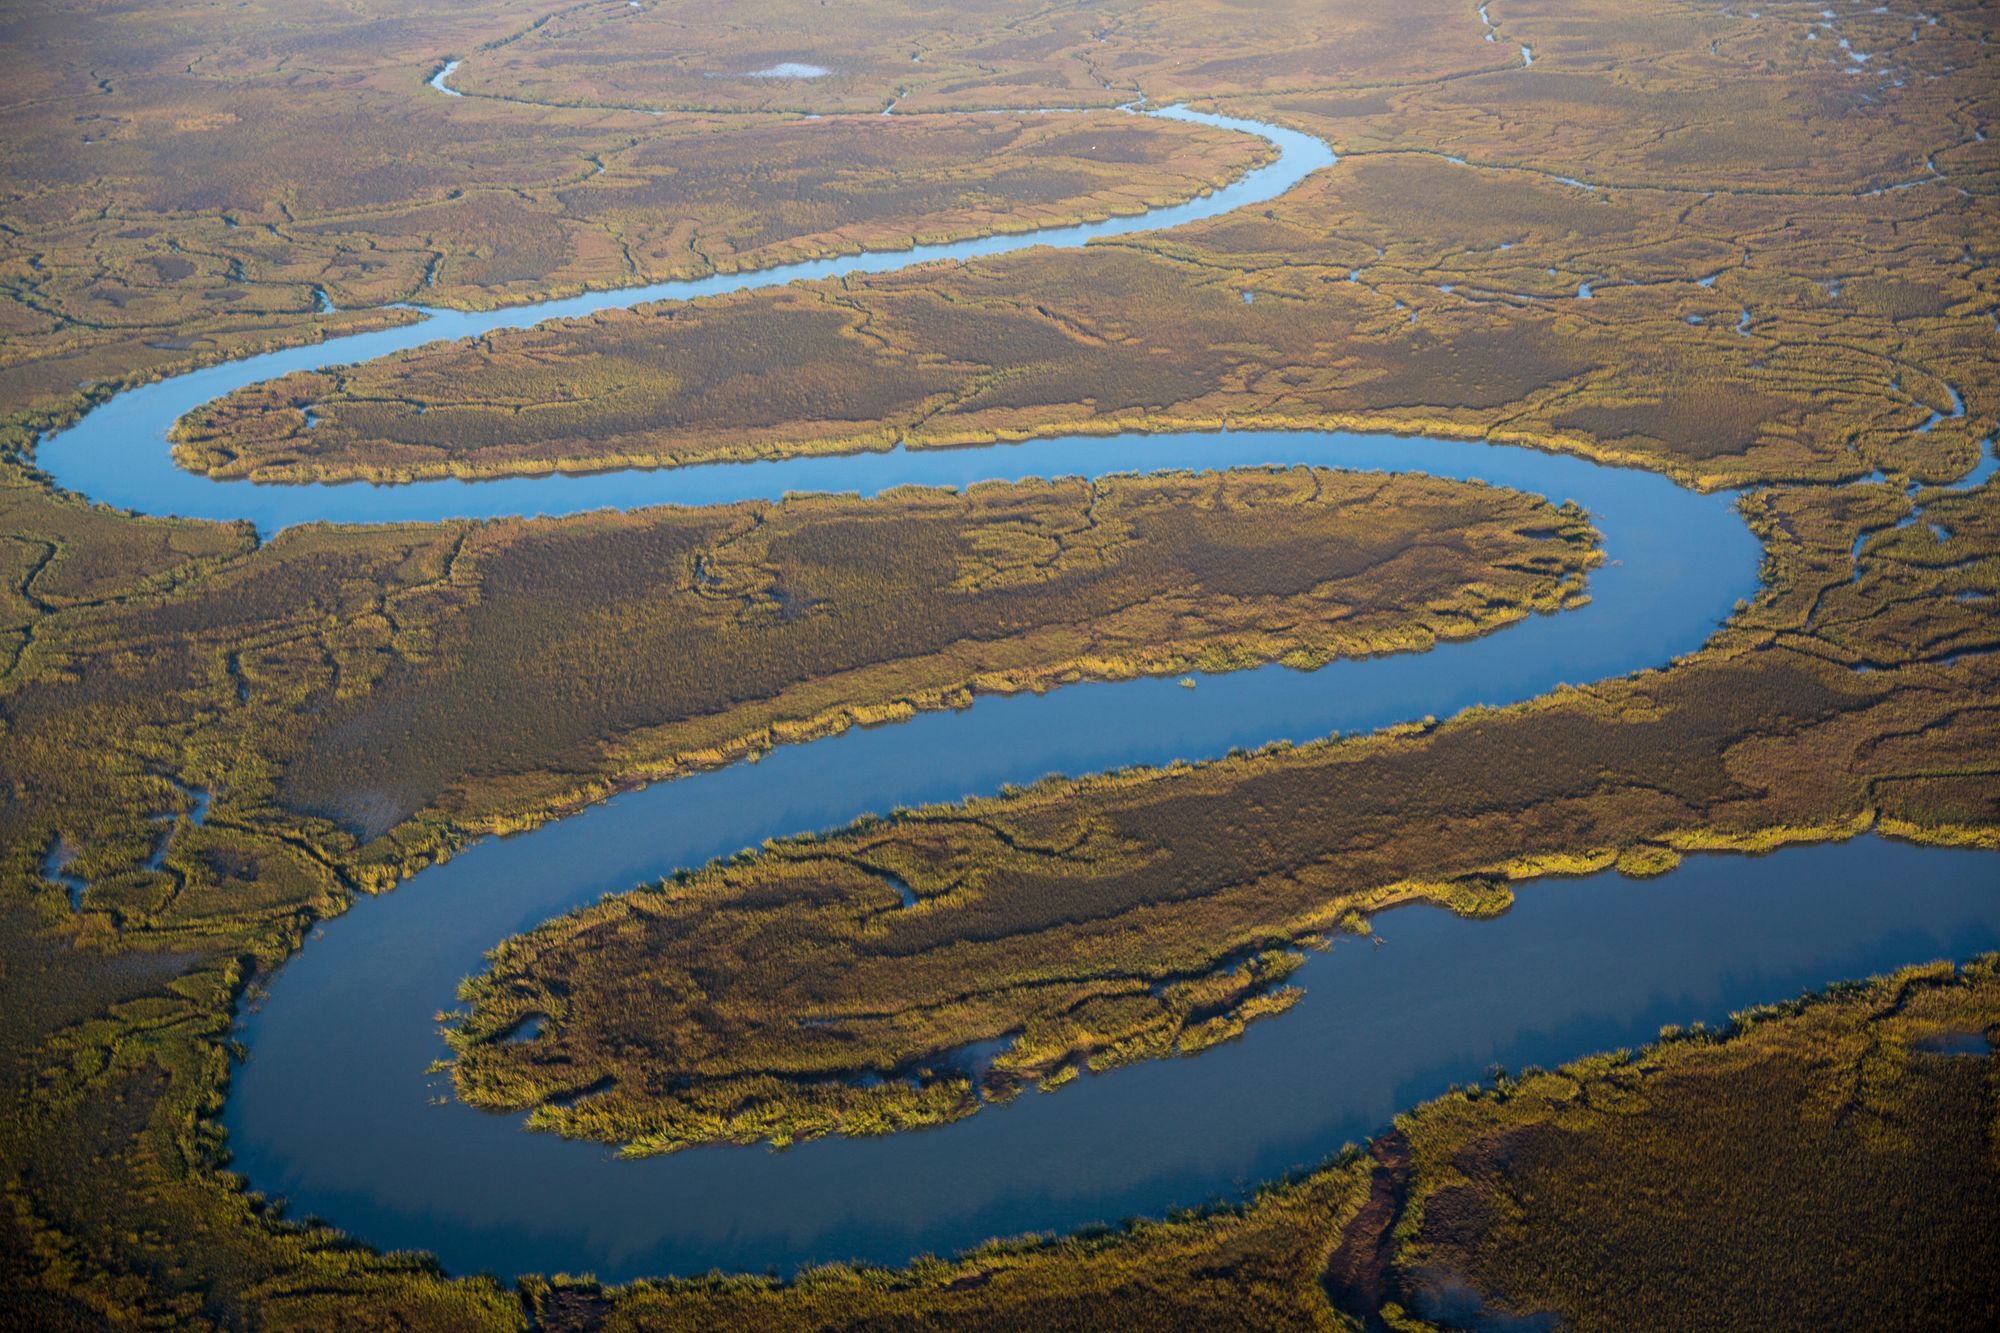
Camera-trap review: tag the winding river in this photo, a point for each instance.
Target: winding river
(119, 454)
(331, 1108)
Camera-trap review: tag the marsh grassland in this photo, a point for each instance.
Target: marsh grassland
(1149, 913)
(1547, 1195)
(179, 195)
(1743, 251)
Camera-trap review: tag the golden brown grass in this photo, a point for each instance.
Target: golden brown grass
(1711, 1181)
(181, 189)
(1467, 323)
(1751, 162)
(1826, 1159)
(1107, 919)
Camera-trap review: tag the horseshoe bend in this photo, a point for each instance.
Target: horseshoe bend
(1329, 665)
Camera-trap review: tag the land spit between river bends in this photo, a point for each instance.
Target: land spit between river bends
(118, 453)
(1681, 561)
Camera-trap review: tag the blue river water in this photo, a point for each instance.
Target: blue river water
(118, 452)
(333, 1111)
(330, 1108)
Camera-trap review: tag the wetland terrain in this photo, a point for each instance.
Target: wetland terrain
(646, 646)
